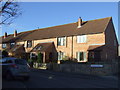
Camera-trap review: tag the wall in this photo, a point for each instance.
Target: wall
(110, 36)
(107, 69)
(91, 39)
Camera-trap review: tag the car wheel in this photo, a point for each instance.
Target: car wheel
(26, 78)
(9, 76)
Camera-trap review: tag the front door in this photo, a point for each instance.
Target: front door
(50, 56)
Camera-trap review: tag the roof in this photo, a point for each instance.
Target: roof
(11, 38)
(16, 48)
(42, 47)
(95, 47)
(88, 27)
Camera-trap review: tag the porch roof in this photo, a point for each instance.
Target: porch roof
(17, 48)
(95, 47)
(42, 47)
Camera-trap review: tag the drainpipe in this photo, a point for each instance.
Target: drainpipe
(72, 49)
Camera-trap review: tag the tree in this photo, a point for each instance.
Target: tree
(9, 10)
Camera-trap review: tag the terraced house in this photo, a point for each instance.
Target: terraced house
(85, 41)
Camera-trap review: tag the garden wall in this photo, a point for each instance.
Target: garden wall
(89, 68)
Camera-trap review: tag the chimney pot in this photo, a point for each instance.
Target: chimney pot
(15, 33)
(79, 22)
(5, 35)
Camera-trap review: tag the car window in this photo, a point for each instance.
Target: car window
(7, 61)
(20, 61)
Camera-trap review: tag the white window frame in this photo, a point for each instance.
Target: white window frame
(12, 44)
(61, 41)
(28, 43)
(81, 38)
(4, 45)
(78, 56)
(61, 55)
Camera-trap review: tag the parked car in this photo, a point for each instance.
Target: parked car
(14, 67)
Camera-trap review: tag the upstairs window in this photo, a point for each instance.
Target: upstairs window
(12, 44)
(29, 44)
(61, 41)
(4, 45)
(61, 55)
(82, 39)
(81, 56)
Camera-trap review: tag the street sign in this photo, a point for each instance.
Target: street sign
(94, 65)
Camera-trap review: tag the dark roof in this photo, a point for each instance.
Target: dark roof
(11, 38)
(16, 48)
(88, 27)
(42, 47)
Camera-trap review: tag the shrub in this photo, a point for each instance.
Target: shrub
(65, 58)
(30, 61)
(40, 58)
(4, 53)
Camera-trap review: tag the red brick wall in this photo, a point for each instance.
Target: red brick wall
(110, 37)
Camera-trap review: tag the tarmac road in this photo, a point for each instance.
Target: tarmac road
(50, 79)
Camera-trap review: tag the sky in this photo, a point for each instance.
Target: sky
(46, 14)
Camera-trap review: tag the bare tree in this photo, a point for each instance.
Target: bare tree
(9, 9)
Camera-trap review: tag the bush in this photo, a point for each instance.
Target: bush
(65, 58)
(40, 58)
(30, 61)
(4, 53)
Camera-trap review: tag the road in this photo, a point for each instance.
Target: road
(50, 79)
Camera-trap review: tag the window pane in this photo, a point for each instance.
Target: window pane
(58, 55)
(20, 61)
(78, 39)
(81, 56)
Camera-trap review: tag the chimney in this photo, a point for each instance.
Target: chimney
(15, 33)
(79, 22)
(5, 35)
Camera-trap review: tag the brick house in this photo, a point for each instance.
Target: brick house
(93, 40)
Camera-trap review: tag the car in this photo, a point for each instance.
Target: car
(14, 67)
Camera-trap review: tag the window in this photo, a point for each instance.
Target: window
(4, 45)
(38, 47)
(29, 44)
(81, 56)
(81, 39)
(61, 41)
(12, 45)
(61, 55)
(20, 61)
(7, 62)
(32, 55)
